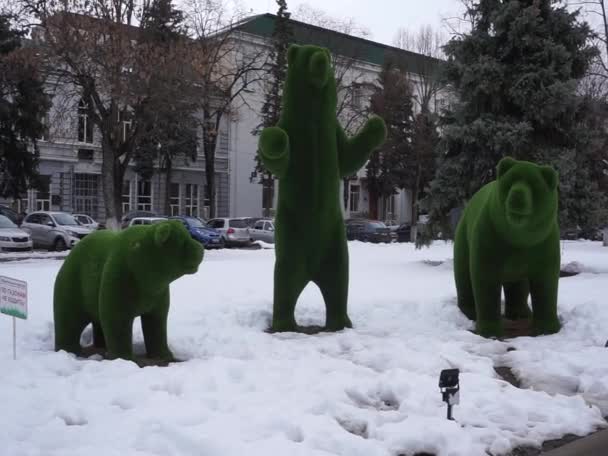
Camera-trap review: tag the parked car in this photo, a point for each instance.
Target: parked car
(13, 238)
(234, 231)
(10, 214)
(54, 230)
(368, 231)
(146, 220)
(263, 230)
(404, 232)
(126, 219)
(87, 221)
(250, 220)
(207, 236)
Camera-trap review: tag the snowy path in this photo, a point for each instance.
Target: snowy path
(367, 391)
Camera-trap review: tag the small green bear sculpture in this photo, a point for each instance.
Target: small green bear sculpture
(110, 278)
(508, 237)
(309, 152)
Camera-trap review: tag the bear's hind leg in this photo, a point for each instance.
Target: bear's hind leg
(290, 278)
(99, 340)
(333, 283)
(516, 300)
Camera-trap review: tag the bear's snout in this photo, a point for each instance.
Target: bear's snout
(318, 68)
(519, 200)
(193, 257)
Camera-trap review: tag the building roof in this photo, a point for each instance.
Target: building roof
(338, 42)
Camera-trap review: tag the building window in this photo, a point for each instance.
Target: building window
(125, 120)
(85, 126)
(85, 154)
(43, 195)
(144, 195)
(126, 196)
(224, 141)
(85, 194)
(353, 200)
(389, 207)
(191, 200)
(174, 199)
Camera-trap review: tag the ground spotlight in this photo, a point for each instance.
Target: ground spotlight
(450, 388)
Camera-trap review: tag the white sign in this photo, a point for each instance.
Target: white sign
(13, 297)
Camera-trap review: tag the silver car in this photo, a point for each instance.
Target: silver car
(234, 231)
(263, 230)
(12, 238)
(54, 230)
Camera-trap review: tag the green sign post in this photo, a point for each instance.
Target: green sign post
(13, 302)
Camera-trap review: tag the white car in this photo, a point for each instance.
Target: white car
(234, 231)
(146, 220)
(87, 221)
(13, 238)
(263, 230)
(54, 230)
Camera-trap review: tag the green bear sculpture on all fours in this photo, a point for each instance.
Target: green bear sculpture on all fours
(110, 278)
(309, 152)
(508, 237)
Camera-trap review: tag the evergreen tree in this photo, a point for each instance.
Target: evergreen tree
(23, 106)
(390, 167)
(282, 36)
(515, 78)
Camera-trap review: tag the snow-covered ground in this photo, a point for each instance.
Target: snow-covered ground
(369, 391)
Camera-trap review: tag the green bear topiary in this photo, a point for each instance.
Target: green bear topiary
(508, 237)
(110, 278)
(309, 152)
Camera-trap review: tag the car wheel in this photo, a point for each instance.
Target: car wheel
(59, 245)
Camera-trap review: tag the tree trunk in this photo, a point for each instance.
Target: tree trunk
(373, 204)
(346, 193)
(210, 186)
(112, 177)
(414, 214)
(167, 197)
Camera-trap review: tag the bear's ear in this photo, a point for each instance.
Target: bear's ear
(163, 231)
(550, 176)
(291, 53)
(504, 165)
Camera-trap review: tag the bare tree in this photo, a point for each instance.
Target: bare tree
(110, 71)
(425, 68)
(229, 68)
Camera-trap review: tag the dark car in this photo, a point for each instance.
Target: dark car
(368, 231)
(209, 237)
(404, 233)
(126, 219)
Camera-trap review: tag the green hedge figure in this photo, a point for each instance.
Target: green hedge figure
(508, 237)
(110, 278)
(309, 152)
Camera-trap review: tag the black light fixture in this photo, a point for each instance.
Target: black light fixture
(450, 388)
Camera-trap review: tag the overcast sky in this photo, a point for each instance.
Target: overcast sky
(381, 17)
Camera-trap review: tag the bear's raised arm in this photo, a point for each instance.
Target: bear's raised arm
(274, 150)
(354, 152)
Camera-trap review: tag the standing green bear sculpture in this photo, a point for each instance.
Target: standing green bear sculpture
(508, 237)
(110, 278)
(309, 153)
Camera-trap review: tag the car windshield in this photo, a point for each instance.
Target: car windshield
(65, 220)
(238, 223)
(194, 222)
(377, 225)
(5, 222)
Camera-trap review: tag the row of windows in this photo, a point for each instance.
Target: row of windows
(188, 194)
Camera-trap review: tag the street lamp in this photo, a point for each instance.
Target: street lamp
(450, 388)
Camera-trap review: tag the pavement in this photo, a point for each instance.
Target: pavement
(593, 445)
